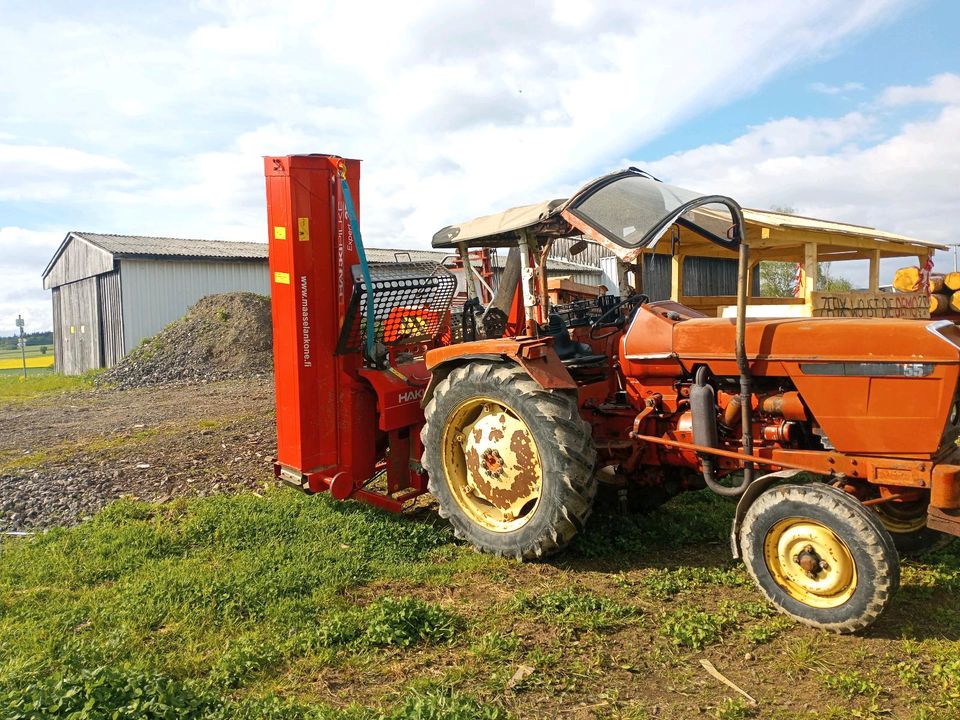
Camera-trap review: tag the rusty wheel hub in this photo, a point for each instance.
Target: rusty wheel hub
(492, 464)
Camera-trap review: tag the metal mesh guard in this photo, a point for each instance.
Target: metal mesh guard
(410, 304)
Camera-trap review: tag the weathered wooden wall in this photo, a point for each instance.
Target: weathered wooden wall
(79, 259)
(110, 315)
(76, 334)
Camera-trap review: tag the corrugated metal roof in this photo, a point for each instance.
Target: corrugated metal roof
(164, 247)
(141, 245)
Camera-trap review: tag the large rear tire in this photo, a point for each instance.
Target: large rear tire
(820, 556)
(907, 524)
(510, 464)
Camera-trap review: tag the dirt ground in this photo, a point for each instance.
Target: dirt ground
(64, 457)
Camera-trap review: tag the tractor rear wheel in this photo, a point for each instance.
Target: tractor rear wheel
(820, 556)
(907, 525)
(510, 464)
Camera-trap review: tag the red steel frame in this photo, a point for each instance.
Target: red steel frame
(339, 424)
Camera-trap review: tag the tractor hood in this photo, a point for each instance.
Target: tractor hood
(626, 212)
(823, 340)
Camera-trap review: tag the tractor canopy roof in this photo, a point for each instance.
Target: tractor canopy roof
(626, 211)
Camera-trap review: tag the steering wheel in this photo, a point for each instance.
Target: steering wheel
(605, 318)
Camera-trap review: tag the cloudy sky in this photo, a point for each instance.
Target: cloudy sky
(151, 117)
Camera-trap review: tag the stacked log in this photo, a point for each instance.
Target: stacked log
(907, 279)
(943, 289)
(939, 303)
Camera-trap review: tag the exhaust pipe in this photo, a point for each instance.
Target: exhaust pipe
(746, 381)
(703, 408)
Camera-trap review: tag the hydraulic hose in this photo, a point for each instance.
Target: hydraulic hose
(364, 267)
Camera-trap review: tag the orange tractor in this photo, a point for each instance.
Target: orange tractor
(836, 437)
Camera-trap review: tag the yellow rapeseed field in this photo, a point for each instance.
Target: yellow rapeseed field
(37, 361)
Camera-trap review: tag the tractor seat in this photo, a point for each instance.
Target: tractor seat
(572, 354)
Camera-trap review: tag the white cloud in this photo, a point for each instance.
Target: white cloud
(457, 109)
(907, 181)
(40, 172)
(826, 89)
(25, 254)
(942, 89)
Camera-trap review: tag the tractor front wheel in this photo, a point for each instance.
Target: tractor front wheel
(510, 464)
(820, 556)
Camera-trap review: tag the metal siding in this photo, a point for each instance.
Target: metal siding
(589, 256)
(157, 292)
(79, 350)
(110, 317)
(585, 278)
(78, 260)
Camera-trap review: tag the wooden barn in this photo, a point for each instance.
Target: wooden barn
(112, 291)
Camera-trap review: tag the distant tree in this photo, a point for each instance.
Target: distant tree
(831, 283)
(43, 349)
(777, 279)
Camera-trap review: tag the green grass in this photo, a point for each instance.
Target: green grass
(14, 388)
(149, 608)
(290, 606)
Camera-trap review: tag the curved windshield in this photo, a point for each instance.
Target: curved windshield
(632, 209)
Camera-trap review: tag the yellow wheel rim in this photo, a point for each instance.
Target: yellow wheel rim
(492, 465)
(809, 561)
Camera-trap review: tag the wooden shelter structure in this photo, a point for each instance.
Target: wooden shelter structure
(805, 242)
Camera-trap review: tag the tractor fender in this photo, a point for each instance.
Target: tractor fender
(753, 491)
(439, 372)
(535, 355)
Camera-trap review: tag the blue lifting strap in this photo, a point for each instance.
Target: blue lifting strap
(364, 267)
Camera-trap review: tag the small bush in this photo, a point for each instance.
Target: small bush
(400, 622)
(664, 584)
(495, 645)
(852, 684)
(408, 621)
(242, 659)
(103, 692)
(694, 629)
(445, 704)
(734, 709)
(576, 609)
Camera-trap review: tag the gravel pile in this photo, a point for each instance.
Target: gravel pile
(223, 336)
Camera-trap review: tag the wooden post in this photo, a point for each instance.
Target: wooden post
(676, 277)
(753, 266)
(468, 280)
(810, 270)
(875, 271)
